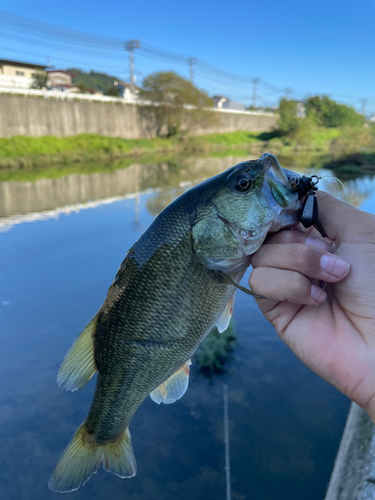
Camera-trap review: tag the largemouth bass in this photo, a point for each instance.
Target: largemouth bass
(176, 283)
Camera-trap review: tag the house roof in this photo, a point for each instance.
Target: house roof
(4, 62)
(59, 71)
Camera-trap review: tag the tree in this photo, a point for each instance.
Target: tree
(288, 120)
(175, 105)
(113, 91)
(40, 80)
(93, 80)
(83, 89)
(328, 113)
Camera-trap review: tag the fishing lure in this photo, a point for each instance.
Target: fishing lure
(307, 186)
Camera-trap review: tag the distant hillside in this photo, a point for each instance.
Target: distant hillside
(97, 81)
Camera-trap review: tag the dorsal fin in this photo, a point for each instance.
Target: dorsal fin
(78, 365)
(224, 319)
(174, 387)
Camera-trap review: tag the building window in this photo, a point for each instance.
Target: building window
(20, 73)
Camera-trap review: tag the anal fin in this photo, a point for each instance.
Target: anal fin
(174, 387)
(78, 365)
(225, 317)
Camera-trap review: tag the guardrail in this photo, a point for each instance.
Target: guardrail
(63, 96)
(59, 95)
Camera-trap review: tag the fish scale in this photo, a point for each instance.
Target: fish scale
(161, 315)
(175, 283)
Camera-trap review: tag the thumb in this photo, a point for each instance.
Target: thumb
(338, 217)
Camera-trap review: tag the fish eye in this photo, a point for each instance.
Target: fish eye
(242, 184)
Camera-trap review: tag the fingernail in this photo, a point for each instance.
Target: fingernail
(317, 294)
(333, 265)
(316, 242)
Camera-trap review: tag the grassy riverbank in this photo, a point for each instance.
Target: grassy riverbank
(20, 152)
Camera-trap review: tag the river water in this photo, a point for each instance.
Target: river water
(61, 242)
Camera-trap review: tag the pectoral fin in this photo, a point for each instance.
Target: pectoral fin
(224, 320)
(78, 365)
(174, 387)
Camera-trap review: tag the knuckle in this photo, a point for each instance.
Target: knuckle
(255, 280)
(308, 256)
(300, 283)
(301, 287)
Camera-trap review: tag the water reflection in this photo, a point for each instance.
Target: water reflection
(47, 194)
(356, 191)
(45, 198)
(285, 423)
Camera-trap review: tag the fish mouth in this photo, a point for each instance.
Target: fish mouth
(246, 235)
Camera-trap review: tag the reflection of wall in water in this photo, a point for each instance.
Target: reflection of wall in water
(47, 194)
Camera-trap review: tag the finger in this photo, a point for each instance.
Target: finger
(278, 285)
(307, 259)
(299, 236)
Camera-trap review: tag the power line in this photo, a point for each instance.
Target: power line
(23, 28)
(68, 62)
(43, 30)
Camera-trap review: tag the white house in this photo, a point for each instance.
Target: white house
(59, 77)
(127, 91)
(15, 74)
(222, 102)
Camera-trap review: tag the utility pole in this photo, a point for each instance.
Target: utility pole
(129, 47)
(288, 91)
(191, 61)
(255, 83)
(364, 102)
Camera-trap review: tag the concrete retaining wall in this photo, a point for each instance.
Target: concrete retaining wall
(353, 476)
(38, 117)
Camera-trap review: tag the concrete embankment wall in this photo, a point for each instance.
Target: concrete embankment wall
(38, 117)
(353, 476)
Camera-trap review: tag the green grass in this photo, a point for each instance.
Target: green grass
(31, 152)
(31, 173)
(21, 151)
(85, 147)
(237, 138)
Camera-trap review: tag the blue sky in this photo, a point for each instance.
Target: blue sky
(311, 48)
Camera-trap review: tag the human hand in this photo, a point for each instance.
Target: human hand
(331, 329)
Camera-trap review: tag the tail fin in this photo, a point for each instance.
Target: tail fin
(83, 457)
